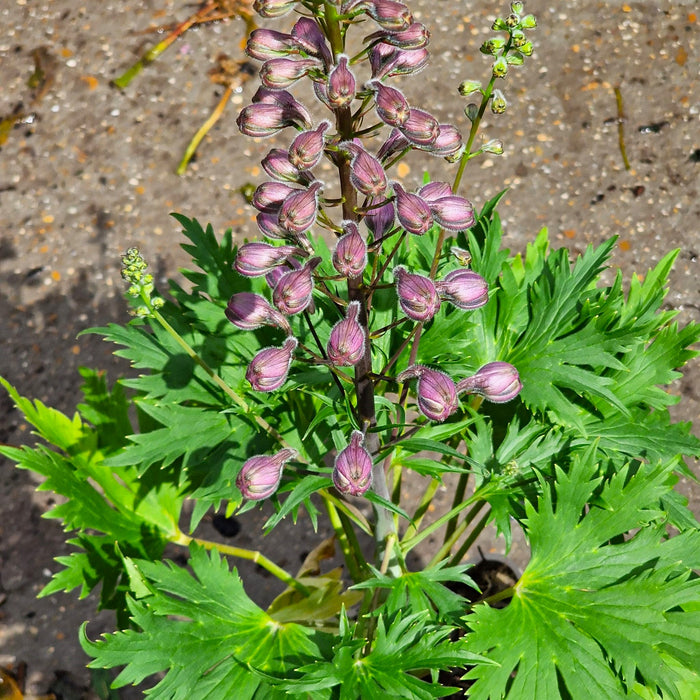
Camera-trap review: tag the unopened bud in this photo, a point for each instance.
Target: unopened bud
(307, 148)
(273, 8)
(500, 67)
(366, 172)
(268, 370)
(350, 254)
(268, 196)
(416, 36)
(421, 127)
(293, 291)
(512, 20)
(276, 164)
(498, 102)
(448, 144)
(379, 220)
(464, 257)
(298, 211)
(264, 44)
(308, 35)
(249, 311)
(346, 345)
(341, 84)
(352, 472)
(413, 212)
(516, 7)
(390, 14)
(436, 392)
(464, 289)
(526, 49)
(492, 46)
(278, 73)
(494, 146)
(391, 105)
(261, 475)
(257, 259)
(417, 294)
(468, 87)
(528, 22)
(496, 381)
(471, 111)
(453, 213)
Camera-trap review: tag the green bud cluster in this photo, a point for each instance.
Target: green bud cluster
(140, 282)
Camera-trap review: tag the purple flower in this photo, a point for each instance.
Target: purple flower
(261, 120)
(307, 148)
(257, 259)
(269, 196)
(416, 36)
(312, 40)
(387, 61)
(379, 220)
(390, 14)
(352, 473)
(267, 43)
(417, 294)
(260, 476)
(464, 288)
(350, 254)
(273, 8)
(292, 293)
(249, 311)
(392, 107)
(269, 225)
(453, 213)
(277, 164)
(434, 191)
(437, 394)
(496, 381)
(413, 212)
(294, 111)
(448, 144)
(346, 345)
(268, 370)
(298, 211)
(366, 172)
(277, 73)
(341, 84)
(396, 143)
(420, 128)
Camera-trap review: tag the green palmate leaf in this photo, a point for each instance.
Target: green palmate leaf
(581, 594)
(204, 632)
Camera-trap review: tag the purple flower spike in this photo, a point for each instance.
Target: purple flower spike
(392, 107)
(496, 381)
(278, 73)
(380, 220)
(264, 44)
(307, 148)
(421, 128)
(352, 473)
(390, 14)
(437, 394)
(257, 259)
(341, 84)
(292, 292)
(366, 172)
(350, 254)
(464, 289)
(268, 370)
(261, 475)
(346, 345)
(453, 213)
(417, 294)
(269, 195)
(273, 8)
(276, 164)
(249, 311)
(298, 211)
(414, 213)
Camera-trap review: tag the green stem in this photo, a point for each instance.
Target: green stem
(341, 532)
(422, 508)
(466, 545)
(458, 497)
(248, 554)
(458, 532)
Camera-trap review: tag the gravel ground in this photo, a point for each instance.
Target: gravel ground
(89, 171)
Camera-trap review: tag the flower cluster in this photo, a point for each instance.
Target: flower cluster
(374, 208)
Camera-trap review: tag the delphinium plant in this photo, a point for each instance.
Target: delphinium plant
(373, 333)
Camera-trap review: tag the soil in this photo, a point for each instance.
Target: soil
(89, 170)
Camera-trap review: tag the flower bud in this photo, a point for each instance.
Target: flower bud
(341, 84)
(260, 476)
(269, 196)
(496, 381)
(391, 105)
(494, 146)
(453, 213)
(269, 225)
(492, 46)
(526, 49)
(268, 370)
(292, 293)
(471, 111)
(273, 8)
(528, 22)
(380, 219)
(261, 120)
(350, 254)
(516, 7)
(366, 172)
(435, 190)
(277, 73)
(249, 311)
(321, 91)
(448, 144)
(464, 289)
(352, 472)
(416, 36)
(420, 128)
(294, 112)
(512, 20)
(257, 259)
(437, 394)
(276, 164)
(417, 294)
(298, 211)
(264, 44)
(518, 38)
(386, 61)
(307, 148)
(498, 102)
(500, 67)
(396, 143)
(390, 14)
(413, 212)
(312, 40)
(346, 345)
(464, 257)
(467, 87)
